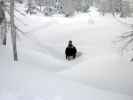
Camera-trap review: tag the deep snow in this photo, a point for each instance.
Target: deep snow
(42, 73)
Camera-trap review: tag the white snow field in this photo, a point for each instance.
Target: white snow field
(42, 73)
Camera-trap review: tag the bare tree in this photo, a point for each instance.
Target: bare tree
(4, 30)
(121, 7)
(2, 14)
(30, 7)
(127, 38)
(40, 3)
(13, 30)
(3, 23)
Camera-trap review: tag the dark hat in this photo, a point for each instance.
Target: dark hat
(70, 42)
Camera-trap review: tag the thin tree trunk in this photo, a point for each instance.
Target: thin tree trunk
(2, 20)
(5, 32)
(121, 9)
(112, 7)
(13, 30)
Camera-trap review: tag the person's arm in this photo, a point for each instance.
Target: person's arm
(66, 50)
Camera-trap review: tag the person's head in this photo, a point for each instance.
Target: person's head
(70, 42)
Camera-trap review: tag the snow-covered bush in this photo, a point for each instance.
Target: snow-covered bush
(48, 11)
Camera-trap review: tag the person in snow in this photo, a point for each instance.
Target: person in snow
(70, 51)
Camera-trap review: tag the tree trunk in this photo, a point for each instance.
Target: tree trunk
(121, 9)
(13, 30)
(5, 32)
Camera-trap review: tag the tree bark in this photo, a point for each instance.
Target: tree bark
(5, 32)
(13, 30)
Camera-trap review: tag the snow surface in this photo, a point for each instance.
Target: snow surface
(42, 73)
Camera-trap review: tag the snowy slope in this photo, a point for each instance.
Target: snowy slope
(42, 72)
(23, 81)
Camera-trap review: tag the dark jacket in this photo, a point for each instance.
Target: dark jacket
(70, 50)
